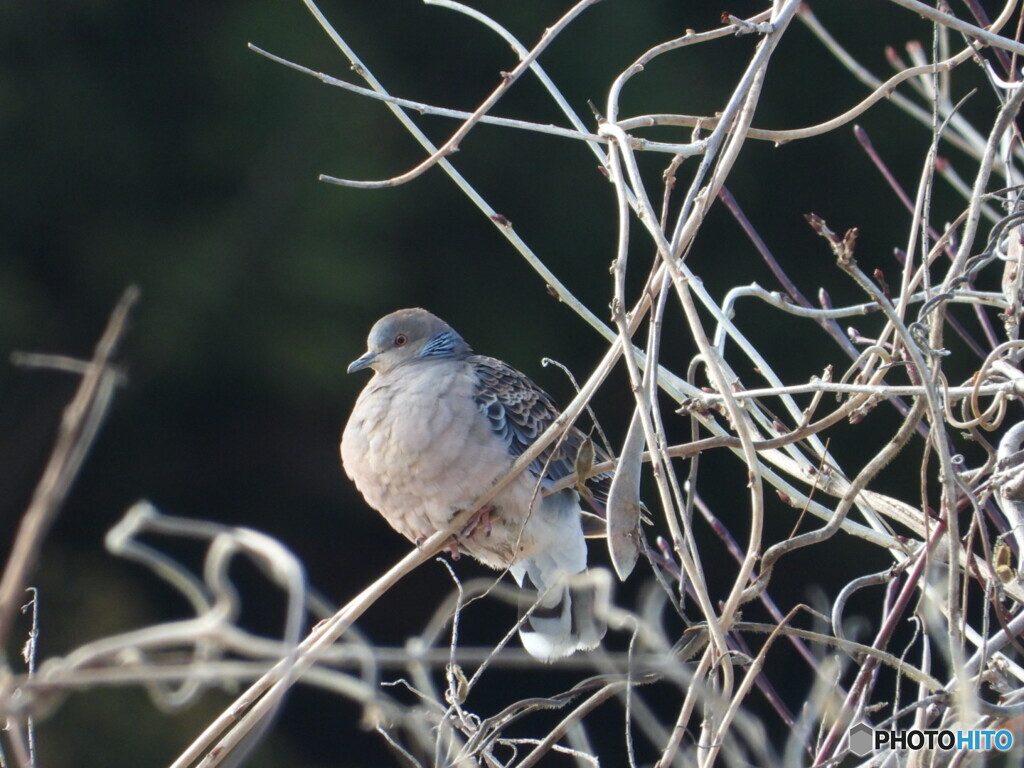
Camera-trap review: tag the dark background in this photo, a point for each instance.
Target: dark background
(143, 143)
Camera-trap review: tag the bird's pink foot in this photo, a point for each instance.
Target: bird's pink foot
(452, 546)
(480, 520)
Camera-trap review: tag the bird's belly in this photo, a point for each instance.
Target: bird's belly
(514, 527)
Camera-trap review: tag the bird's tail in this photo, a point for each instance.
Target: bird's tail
(566, 612)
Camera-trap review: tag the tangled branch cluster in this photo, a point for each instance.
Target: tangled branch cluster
(945, 653)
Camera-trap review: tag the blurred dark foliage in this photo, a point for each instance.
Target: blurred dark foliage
(143, 143)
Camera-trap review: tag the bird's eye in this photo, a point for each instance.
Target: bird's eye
(401, 339)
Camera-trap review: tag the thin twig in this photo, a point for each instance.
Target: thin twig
(79, 426)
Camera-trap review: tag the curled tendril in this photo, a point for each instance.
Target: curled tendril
(919, 334)
(982, 420)
(1000, 399)
(993, 415)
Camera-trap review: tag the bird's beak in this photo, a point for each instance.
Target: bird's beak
(363, 362)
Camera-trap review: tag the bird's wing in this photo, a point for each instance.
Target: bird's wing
(519, 411)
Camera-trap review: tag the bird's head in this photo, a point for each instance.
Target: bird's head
(405, 335)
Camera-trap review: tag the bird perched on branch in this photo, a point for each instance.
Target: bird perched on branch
(435, 428)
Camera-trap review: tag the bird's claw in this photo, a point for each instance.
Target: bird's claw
(480, 520)
(453, 550)
(452, 546)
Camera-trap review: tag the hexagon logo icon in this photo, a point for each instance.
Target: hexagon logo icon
(861, 739)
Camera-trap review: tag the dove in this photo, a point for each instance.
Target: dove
(435, 427)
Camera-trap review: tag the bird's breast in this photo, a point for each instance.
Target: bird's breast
(418, 448)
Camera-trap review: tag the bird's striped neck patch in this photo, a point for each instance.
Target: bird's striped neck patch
(445, 343)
